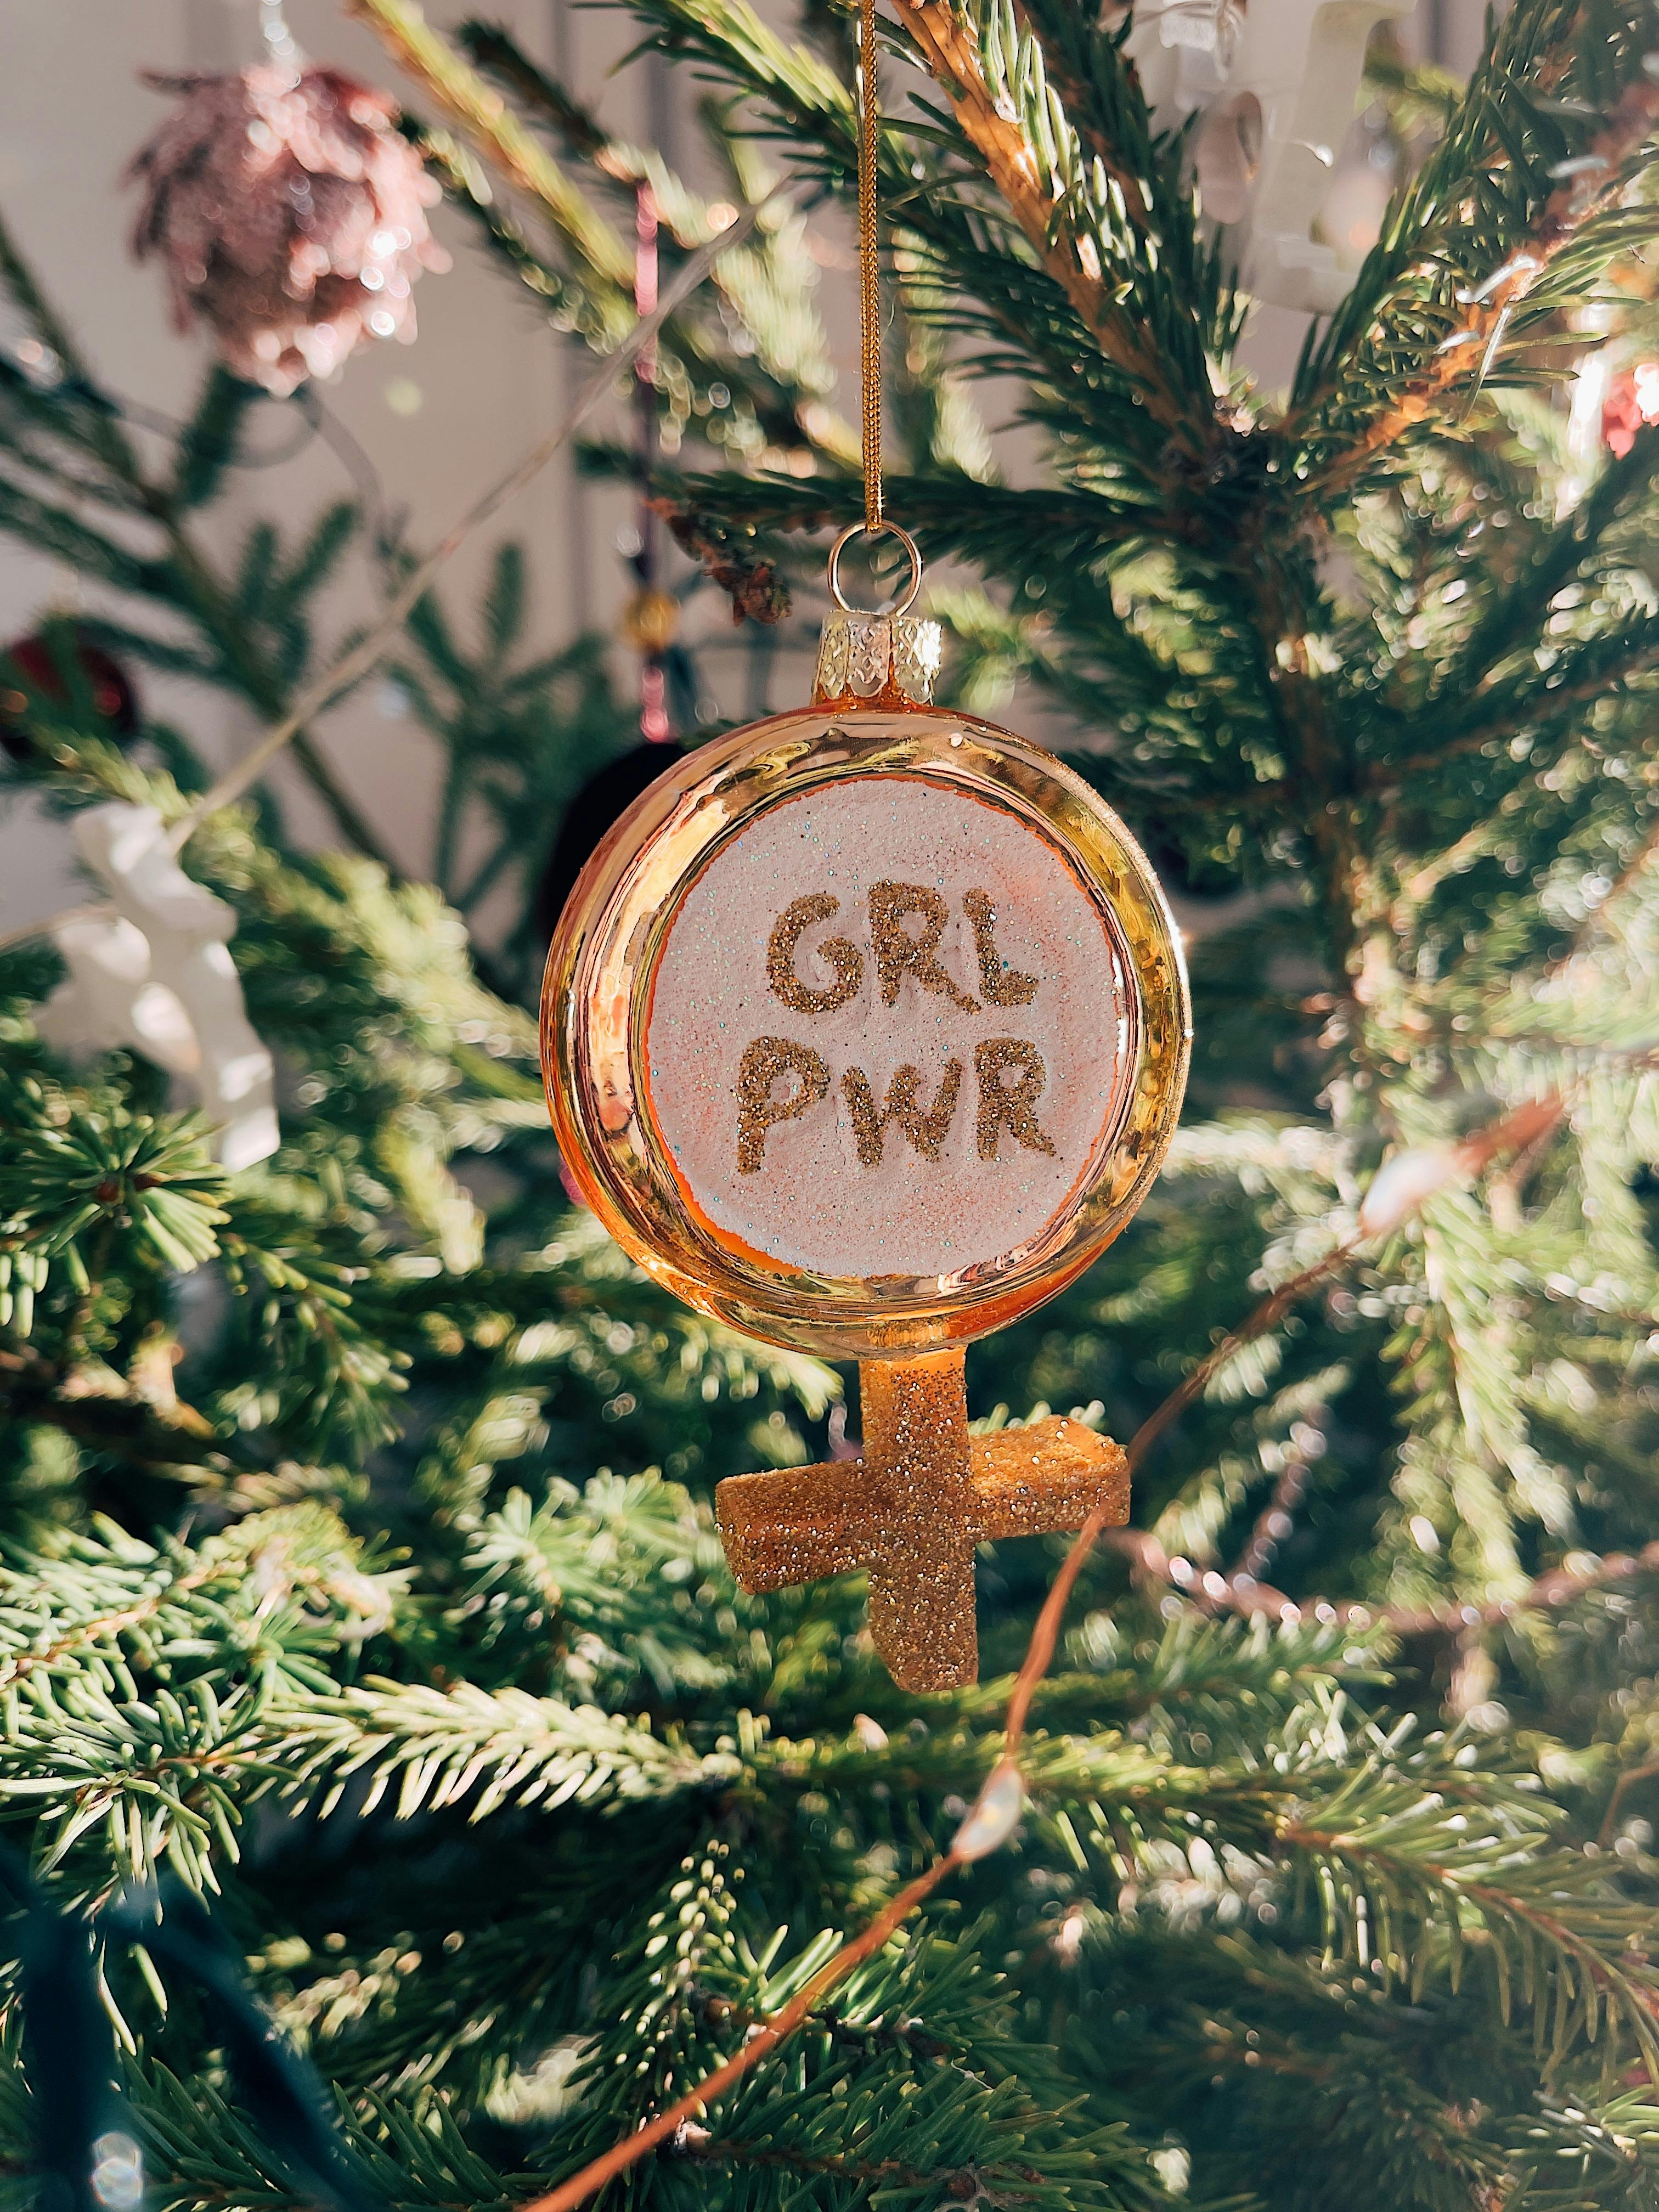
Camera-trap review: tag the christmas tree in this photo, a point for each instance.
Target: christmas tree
(405, 1805)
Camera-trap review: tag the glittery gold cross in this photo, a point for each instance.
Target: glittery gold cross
(913, 1508)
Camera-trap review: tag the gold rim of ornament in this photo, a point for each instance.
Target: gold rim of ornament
(596, 1004)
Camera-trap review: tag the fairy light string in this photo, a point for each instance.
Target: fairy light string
(654, 727)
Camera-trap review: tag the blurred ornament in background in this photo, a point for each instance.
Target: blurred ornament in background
(650, 620)
(60, 669)
(1273, 87)
(157, 978)
(1367, 170)
(593, 813)
(1630, 402)
(289, 214)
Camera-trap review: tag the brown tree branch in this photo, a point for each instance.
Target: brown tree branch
(949, 49)
(85, 1633)
(762, 2040)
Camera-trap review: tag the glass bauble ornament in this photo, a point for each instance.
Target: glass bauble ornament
(866, 1030)
(289, 214)
(65, 671)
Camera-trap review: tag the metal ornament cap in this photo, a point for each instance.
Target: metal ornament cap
(878, 660)
(877, 656)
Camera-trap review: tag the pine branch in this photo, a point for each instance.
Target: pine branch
(1584, 1938)
(1292, 2074)
(484, 118)
(1513, 618)
(953, 55)
(776, 389)
(1407, 317)
(185, 575)
(493, 52)
(1414, 91)
(118, 1425)
(81, 1192)
(1030, 325)
(1585, 672)
(1102, 98)
(919, 2030)
(438, 1746)
(978, 521)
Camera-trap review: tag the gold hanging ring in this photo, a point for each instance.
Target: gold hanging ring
(875, 530)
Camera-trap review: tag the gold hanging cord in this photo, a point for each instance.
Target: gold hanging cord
(875, 523)
(869, 265)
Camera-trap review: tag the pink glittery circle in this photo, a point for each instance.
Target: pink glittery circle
(812, 1203)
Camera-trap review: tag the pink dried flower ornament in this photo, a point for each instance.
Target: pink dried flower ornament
(290, 215)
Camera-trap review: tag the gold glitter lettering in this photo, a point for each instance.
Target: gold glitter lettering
(1010, 1106)
(1003, 986)
(763, 1062)
(927, 1132)
(897, 949)
(841, 955)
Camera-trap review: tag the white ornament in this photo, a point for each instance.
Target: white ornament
(1405, 1183)
(1274, 85)
(159, 980)
(993, 1815)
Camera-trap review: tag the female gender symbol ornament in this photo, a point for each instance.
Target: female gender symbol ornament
(866, 1030)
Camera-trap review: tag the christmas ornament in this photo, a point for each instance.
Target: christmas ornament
(650, 620)
(159, 980)
(591, 813)
(1273, 86)
(289, 214)
(865, 1029)
(62, 665)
